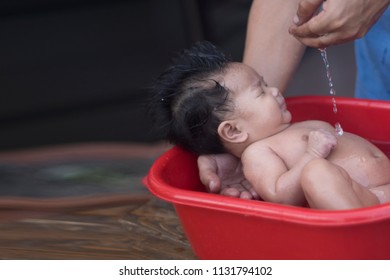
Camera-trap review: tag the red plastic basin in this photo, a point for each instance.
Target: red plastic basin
(220, 227)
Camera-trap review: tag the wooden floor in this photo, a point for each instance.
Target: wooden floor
(146, 229)
(85, 201)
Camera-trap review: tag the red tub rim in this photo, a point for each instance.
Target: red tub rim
(257, 208)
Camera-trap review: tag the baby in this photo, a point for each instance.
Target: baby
(210, 105)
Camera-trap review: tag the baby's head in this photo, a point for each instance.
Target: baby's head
(190, 100)
(209, 104)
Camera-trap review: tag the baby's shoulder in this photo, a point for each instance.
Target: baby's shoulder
(263, 147)
(258, 145)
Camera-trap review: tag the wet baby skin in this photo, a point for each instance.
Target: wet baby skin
(298, 163)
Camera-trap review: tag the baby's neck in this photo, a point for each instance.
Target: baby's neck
(236, 149)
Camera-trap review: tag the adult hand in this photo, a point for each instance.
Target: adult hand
(339, 21)
(223, 174)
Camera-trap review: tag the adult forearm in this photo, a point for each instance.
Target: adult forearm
(269, 48)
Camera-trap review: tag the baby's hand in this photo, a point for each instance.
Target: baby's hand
(321, 142)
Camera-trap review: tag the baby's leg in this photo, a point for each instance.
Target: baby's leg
(328, 186)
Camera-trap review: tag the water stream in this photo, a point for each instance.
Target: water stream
(332, 91)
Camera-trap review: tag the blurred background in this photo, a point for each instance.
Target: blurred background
(78, 71)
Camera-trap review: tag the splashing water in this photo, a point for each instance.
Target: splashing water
(332, 91)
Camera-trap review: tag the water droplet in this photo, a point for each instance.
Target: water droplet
(339, 129)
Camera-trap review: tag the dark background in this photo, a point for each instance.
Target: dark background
(79, 70)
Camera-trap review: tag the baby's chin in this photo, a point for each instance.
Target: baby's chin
(287, 116)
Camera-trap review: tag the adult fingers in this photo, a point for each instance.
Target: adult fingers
(306, 10)
(323, 41)
(315, 27)
(250, 189)
(208, 173)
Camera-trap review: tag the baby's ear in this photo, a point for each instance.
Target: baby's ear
(231, 132)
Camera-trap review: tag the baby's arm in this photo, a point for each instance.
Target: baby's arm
(276, 182)
(270, 176)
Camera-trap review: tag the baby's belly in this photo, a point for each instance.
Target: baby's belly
(370, 168)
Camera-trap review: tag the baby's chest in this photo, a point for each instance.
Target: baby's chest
(291, 147)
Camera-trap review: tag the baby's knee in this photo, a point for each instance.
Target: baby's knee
(316, 173)
(315, 170)
(320, 171)
(313, 175)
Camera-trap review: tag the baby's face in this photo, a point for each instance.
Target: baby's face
(260, 109)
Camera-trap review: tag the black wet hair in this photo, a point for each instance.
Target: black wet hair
(189, 103)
